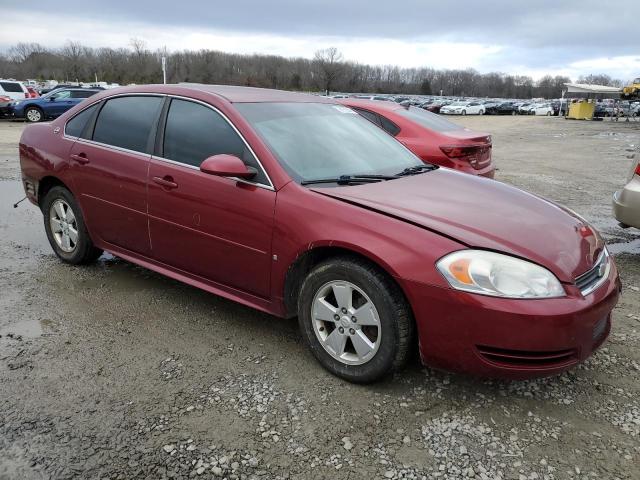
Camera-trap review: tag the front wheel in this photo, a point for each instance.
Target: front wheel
(66, 229)
(33, 115)
(355, 320)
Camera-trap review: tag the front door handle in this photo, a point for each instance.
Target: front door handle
(80, 158)
(166, 182)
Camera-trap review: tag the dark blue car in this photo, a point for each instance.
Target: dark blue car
(51, 105)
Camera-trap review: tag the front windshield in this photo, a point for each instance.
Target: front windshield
(320, 141)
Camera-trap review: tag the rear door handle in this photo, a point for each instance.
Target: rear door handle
(166, 182)
(80, 158)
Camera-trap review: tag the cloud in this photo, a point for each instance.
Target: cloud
(533, 38)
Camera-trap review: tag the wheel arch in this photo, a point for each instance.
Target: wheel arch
(46, 184)
(307, 260)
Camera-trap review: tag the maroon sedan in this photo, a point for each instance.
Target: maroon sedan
(298, 206)
(431, 137)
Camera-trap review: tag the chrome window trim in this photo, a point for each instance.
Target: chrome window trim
(168, 160)
(106, 146)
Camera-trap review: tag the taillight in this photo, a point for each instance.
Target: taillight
(637, 171)
(474, 154)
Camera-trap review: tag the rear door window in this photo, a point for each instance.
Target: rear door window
(76, 125)
(194, 132)
(126, 122)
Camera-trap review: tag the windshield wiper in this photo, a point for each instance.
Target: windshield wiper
(416, 169)
(350, 179)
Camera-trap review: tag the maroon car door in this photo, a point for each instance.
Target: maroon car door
(110, 167)
(213, 227)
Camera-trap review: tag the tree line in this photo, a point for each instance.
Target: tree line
(326, 71)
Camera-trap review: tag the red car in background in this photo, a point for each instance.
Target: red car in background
(431, 137)
(32, 92)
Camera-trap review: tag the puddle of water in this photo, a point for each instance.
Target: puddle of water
(632, 247)
(25, 329)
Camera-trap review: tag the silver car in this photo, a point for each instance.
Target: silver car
(626, 202)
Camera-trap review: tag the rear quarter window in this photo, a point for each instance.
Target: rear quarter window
(75, 126)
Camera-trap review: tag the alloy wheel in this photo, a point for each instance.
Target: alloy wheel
(346, 322)
(64, 225)
(34, 115)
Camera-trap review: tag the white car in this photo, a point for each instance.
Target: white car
(542, 109)
(13, 89)
(463, 108)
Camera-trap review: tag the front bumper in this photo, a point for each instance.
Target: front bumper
(506, 338)
(626, 203)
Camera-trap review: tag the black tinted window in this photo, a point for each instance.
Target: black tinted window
(76, 125)
(127, 121)
(194, 132)
(11, 87)
(389, 126)
(372, 117)
(82, 93)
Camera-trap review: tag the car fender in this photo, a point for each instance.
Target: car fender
(307, 220)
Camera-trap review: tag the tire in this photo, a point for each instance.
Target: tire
(388, 326)
(481, 112)
(513, 112)
(74, 248)
(548, 114)
(33, 115)
(464, 112)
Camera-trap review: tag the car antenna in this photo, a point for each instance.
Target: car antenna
(15, 205)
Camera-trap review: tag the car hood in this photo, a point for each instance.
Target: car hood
(486, 214)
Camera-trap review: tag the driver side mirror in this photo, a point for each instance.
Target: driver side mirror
(225, 165)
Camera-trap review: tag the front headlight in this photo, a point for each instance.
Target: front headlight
(498, 275)
(16, 102)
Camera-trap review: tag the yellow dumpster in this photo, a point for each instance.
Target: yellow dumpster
(581, 110)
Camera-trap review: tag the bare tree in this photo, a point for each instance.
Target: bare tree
(329, 66)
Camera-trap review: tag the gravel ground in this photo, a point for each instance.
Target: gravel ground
(114, 372)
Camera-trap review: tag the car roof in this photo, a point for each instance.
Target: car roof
(236, 94)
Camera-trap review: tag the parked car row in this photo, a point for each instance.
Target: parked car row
(299, 205)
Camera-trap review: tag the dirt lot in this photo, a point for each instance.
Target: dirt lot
(112, 371)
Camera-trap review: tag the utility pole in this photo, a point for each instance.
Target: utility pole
(164, 69)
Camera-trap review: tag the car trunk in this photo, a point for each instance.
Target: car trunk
(470, 146)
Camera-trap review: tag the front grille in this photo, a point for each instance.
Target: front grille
(593, 278)
(525, 358)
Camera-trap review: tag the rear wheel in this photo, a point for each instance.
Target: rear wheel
(548, 114)
(464, 112)
(355, 320)
(33, 115)
(66, 229)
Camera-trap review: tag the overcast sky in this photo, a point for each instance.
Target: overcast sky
(532, 37)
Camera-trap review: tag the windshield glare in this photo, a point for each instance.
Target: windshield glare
(317, 141)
